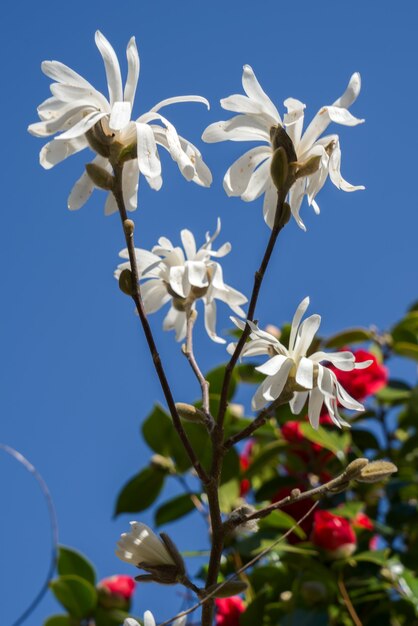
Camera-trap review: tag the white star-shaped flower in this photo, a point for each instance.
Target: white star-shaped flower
(85, 118)
(292, 365)
(249, 177)
(182, 277)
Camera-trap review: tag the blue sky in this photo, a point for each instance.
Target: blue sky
(76, 377)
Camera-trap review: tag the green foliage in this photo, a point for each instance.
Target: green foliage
(72, 562)
(174, 509)
(75, 594)
(141, 491)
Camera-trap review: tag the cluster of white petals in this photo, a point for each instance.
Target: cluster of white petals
(292, 364)
(249, 177)
(183, 276)
(76, 108)
(150, 621)
(141, 545)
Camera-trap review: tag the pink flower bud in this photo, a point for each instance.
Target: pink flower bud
(228, 611)
(334, 534)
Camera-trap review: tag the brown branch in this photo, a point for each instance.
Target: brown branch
(279, 223)
(204, 384)
(347, 601)
(137, 298)
(259, 556)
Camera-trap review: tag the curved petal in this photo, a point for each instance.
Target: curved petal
(210, 322)
(175, 320)
(189, 243)
(197, 273)
(307, 331)
(82, 126)
(304, 373)
(247, 128)
(297, 191)
(120, 116)
(351, 93)
(300, 312)
(111, 205)
(154, 295)
(254, 90)
(74, 93)
(113, 75)
(148, 162)
(238, 175)
(270, 205)
(335, 174)
(58, 122)
(177, 99)
(177, 280)
(273, 365)
(130, 184)
(316, 400)
(64, 74)
(56, 151)
(241, 104)
(149, 619)
(258, 182)
(80, 193)
(298, 401)
(133, 71)
(293, 120)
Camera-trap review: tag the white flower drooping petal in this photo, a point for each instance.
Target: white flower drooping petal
(291, 367)
(249, 177)
(141, 545)
(86, 118)
(182, 276)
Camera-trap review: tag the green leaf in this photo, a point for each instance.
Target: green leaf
(267, 455)
(282, 521)
(348, 337)
(331, 440)
(300, 617)
(231, 466)
(72, 562)
(364, 439)
(77, 595)
(409, 350)
(379, 557)
(396, 391)
(141, 491)
(106, 617)
(174, 509)
(247, 373)
(215, 379)
(228, 495)
(58, 620)
(157, 430)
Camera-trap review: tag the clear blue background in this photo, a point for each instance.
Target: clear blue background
(76, 376)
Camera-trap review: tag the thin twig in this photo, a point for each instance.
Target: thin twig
(259, 556)
(347, 601)
(189, 353)
(136, 296)
(54, 530)
(258, 279)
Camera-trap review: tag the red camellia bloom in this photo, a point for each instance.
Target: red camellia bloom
(333, 534)
(228, 611)
(362, 383)
(122, 586)
(362, 520)
(313, 455)
(245, 462)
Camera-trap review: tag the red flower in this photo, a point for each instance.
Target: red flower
(312, 454)
(363, 383)
(296, 510)
(120, 586)
(228, 611)
(334, 534)
(245, 462)
(362, 520)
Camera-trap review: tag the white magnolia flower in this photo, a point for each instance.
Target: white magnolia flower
(183, 277)
(149, 620)
(292, 364)
(85, 118)
(249, 177)
(141, 545)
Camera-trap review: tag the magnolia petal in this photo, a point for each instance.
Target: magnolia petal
(254, 91)
(176, 279)
(64, 74)
(343, 116)
(210, 322)
(129, 621)
(56, 151)
(111, 205)
(296, 194)
(335, 173)
(345, 399)
(148, 161)
(238, 175)
(316, 401)
(342, 360)
(189, 243)
(215, 132)
(247, 128)
(176, 320)
(80, 193)
(74, 93)
(149, 619)
(363, 364)
(273, 365)
(270, 205)
(298, 401)
(120, 115)
(293, 120)
(154, 295)
(197, 273)
(112, 68)
(278, 381)
(241, 104)
(257, 347)
(82, 126)
(351, 93)
(130, 184)
(300, 312)
(58, 122)
(178, 99)
(155, 182)
(133, 71)
(258, 182)
(307, 331)
(304, 373)
(258, 401)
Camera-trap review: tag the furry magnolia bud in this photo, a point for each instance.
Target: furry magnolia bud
(190, 413)
(376, 471)
(100, 177)
(354, 468)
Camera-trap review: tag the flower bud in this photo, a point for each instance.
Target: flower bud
(126, 282)
(100, 177)
(354, 468)
(227, 589)
(376, 471)
(190, 413)
(279, 168)
(129, 227)
(333, 534)
(115, 592)
(163, 463)
(238, 518)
